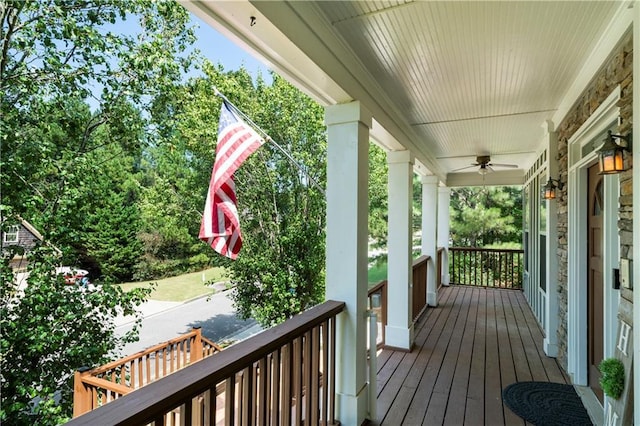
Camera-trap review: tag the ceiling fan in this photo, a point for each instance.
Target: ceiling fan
(484, 164)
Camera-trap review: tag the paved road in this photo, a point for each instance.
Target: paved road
(166, 320)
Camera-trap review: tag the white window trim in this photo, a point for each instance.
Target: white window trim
(10, 231)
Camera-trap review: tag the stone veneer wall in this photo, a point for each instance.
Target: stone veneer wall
(616, 71)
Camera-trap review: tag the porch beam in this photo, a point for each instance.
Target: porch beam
(346, 257)
(399, 329)
(429, 233)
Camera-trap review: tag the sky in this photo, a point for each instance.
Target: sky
(218, 49)
(212, 45)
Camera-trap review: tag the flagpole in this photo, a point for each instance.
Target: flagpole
(269, 139)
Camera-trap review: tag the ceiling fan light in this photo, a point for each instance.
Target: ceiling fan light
(483, 169)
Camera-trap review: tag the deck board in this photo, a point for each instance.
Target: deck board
(475, 343)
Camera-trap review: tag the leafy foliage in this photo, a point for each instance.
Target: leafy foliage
(378, 198)
(281, 269)
(612, 379)
(50, 329)
(72, 92)
(484, 216)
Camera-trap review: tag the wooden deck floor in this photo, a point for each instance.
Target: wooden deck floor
(476, 342)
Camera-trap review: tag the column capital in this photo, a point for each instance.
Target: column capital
(431, 179)
(399, 157)
(548, 126)
(347, 113)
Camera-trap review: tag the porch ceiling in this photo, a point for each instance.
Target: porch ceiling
(448, 80)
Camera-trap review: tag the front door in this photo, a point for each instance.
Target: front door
(595, 291)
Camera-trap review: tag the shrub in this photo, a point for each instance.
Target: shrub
(612, 379)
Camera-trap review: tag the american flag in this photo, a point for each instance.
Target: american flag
(220, 226)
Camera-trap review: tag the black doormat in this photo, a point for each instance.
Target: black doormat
(546, 404)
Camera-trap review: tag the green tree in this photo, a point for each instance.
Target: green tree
(57, 58)
(483, 216)
(378, 197)
(280, 270)
(50, 329)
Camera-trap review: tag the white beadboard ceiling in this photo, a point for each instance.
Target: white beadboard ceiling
(449, 80)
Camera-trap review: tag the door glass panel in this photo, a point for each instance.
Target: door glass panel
(598, 197)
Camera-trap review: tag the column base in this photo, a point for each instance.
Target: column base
(352, 409)
(432, 299)
(550, 349)
(445, 280)
(398, 337)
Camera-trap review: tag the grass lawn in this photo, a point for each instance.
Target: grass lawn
(182, 287)
(377, 273)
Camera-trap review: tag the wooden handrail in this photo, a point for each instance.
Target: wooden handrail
(152, 402)
(421, 260)
(106, 384)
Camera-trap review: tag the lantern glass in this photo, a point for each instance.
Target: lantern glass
(549, 193)
(549, 190)
(611, 154)
(611, 161)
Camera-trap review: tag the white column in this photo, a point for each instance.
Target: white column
(429, 233)
(347, 210)
(399, 329)
(636, 216)
(444, 199)
(551, 305)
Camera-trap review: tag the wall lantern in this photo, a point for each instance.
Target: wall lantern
(611, 154)
(549, 191)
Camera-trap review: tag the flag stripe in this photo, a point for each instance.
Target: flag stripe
(220, 226)
(237, 147)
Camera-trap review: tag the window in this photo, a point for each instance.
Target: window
(11, 235)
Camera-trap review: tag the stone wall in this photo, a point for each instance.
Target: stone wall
(617, 71)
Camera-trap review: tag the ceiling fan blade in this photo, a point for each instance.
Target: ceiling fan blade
(464, 168)
(510, 166)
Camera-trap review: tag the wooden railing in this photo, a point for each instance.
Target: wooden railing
(377, 297)
(96, 387)
(420, 266)
(486, 267)
(440, 255)
(284, 375)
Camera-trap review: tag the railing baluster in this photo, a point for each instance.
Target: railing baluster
(297, 379)
(264, 378)
(287, 383)
(486, 267)
(229, 401)
(331, 374)
(274, 386)
(315, 374)
(325, 371)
